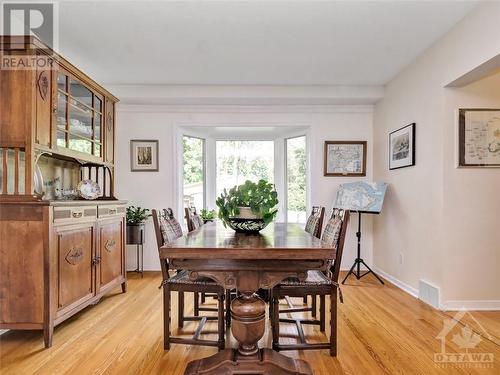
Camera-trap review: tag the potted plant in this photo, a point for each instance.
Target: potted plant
(136, 218)
(249, 207)
(207, 215)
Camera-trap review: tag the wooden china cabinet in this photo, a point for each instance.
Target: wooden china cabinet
(58, 254)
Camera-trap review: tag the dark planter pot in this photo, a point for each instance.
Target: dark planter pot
(135, 234)
(246, 221)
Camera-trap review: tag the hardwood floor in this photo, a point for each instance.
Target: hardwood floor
(382, 330)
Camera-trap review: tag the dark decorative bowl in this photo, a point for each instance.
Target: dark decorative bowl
(246, 225)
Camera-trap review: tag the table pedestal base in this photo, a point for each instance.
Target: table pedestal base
(265, 362)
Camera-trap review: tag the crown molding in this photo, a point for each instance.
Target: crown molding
(137, 108)
(250, 95)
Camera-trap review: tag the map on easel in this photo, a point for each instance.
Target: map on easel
(361, 196)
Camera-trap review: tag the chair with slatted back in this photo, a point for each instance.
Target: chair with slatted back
(166, 231)
(317, 283)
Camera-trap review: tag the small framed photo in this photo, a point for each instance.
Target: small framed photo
(479, 138)
(143, 155)
(402, 147)
(345, 158)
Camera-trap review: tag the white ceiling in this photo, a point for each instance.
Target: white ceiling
(251, 42)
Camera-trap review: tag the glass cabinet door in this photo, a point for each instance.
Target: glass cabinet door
(97, 125)
(79, 116)
(80, 92)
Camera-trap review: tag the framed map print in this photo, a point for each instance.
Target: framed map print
(402, 147)
(345, 158)
(143, 155)
(479, 138)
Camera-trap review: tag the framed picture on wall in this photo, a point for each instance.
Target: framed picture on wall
(402, 147)
(143, 155)
(479, 138)
(345, 158)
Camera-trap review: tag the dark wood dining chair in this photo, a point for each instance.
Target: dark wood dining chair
(180, 282)
(317, 283)
(314, 225)
(193, 220)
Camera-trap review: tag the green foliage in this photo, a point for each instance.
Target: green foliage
(238, 161)
(193, 159)
(261, 197)
(137, 215)
(207, 214)
(296, 174)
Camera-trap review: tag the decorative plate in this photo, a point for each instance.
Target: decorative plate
(38, 181)
(88, 189)
(246, 225)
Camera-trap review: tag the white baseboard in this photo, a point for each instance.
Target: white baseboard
(479, 305)
(482, 305)
(401, 285)
(152, 269)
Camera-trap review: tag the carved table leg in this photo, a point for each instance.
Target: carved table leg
(248, 313)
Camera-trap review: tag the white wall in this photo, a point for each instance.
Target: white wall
(157, 189)
(471, 207)
(443, 220)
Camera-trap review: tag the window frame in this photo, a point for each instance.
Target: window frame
(225, 139)
(204, 132)
(285, 161)
(204, 166)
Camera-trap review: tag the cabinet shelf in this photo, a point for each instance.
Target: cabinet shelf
(70, 155)
(80, 118)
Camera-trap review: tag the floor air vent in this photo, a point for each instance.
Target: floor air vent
(428, 293)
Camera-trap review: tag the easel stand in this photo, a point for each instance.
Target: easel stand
(356, 267)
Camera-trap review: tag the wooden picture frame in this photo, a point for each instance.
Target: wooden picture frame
(479, 137)
(345, 158)
(402, 147)
(144, 155)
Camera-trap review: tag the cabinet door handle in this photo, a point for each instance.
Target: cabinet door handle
(112, 211)
(77, 214)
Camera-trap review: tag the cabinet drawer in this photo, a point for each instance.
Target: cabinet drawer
(74, 214)
(111, 210)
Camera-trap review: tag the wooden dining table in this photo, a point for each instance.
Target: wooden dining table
(248, 262)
